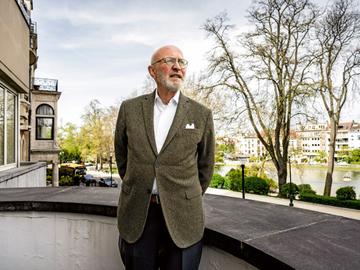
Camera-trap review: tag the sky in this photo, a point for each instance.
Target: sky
(101, 49)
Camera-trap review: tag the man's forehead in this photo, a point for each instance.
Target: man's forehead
(166, 51)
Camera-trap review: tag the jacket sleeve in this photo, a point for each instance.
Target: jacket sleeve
(206, 154)
(121, 141)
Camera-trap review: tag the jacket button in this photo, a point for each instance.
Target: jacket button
(157, 164)
(148, 191)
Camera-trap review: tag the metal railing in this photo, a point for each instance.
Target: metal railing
(45, 84)
(33, 27)
(24, 10)
(33, 35)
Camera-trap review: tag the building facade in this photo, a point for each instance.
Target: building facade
(307, 142)
(249, 145)
(18, 62)
(44, 111)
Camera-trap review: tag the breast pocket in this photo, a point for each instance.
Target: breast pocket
(190, 135)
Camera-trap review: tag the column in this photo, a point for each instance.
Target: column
(55, 174)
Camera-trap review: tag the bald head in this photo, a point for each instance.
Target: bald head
(168, 69)
(165, 51)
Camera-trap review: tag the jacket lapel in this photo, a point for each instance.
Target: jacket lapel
(148, 114)
(178, 120)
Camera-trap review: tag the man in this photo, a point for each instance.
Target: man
(164, 147)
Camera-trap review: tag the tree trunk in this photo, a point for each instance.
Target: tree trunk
(97, 162)
(282, 173)
(331, 157)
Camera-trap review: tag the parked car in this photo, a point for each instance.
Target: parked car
(106, 182)
(88, 180)
(72, 169)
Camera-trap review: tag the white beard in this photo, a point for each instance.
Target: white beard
(170, 85)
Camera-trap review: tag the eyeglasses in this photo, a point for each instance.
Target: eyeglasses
(170, 61)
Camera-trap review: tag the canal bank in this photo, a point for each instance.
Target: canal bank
(328, 209)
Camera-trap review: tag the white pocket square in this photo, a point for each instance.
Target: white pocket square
(190, 126)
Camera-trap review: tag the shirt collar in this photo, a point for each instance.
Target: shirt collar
(174, 99)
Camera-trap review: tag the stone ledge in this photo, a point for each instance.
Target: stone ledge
(25, 167)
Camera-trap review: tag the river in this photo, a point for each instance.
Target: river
(315, 176)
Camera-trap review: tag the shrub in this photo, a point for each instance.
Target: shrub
(233, 180)
(306, 188)
(354, 204)
(272, 184)
(346, 193)
(49, 171)
(285, 190)
(217, 181)
(66, 180)
(256, 185)
(48, 180)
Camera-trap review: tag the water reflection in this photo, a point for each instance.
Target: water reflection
(313, 175)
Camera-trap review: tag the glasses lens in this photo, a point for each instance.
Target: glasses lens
(170, 61)
(182, 63)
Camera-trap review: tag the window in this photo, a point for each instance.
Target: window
(8, 127)
(44, 122)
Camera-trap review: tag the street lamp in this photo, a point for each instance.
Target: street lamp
(242, 164)
(110, 165)
(290, 187)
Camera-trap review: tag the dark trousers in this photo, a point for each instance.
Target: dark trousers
(155, 248)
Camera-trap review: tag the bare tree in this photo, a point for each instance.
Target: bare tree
(223, 103)
(338, 62)
(272, 78)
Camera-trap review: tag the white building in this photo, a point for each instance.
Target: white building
(312, 139)
(249, 145)
(354, 136)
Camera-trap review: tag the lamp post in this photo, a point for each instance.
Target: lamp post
(242, 163)
(110, 165)
(290, 187)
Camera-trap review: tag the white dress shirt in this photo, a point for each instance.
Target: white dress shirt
(163, 118)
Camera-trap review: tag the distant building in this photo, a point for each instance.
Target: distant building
(306, 141)
(44, 98)
(312, 140)
(316, 137)
(250, 145)
(354, 136)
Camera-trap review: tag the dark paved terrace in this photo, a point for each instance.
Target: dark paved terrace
(266, 235)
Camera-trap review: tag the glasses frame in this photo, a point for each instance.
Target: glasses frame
(170, 61)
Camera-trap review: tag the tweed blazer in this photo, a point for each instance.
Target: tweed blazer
(183, 168)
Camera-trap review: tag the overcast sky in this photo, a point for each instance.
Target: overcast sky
(101, 49)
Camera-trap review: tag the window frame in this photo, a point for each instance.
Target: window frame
(44, 116)
(7, 90)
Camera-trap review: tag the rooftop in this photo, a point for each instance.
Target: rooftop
(264, 234)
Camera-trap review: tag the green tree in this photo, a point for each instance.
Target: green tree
(354, 156)
(321, 157)
(92, 133)
(68, 139)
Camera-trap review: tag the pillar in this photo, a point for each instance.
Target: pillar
(55, 174)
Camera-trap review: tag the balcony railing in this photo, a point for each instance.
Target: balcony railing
(44, 84)
(24, 10)
(33, 35)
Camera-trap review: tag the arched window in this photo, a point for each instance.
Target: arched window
(44, 122)
(45, 109)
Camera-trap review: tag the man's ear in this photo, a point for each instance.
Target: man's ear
(151, 71)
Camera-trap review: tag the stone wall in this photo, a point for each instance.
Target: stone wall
(29, 174)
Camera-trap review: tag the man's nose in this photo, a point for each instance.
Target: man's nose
(176, 66)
